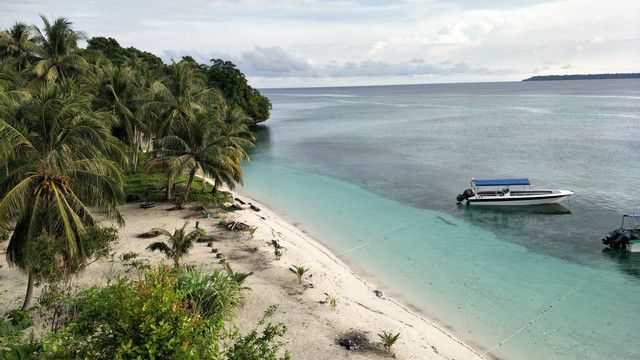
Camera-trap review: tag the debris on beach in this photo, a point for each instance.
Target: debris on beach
(237, 225)
(175, 207)
(233, 207)
(378, 293)
(353, 340)
(147, 205)
(149, 234)
(253, 207)
(206, 239)
(240, 201)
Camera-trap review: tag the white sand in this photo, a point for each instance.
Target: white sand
(313, 327)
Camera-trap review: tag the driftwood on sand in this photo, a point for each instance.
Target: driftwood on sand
(240, 201)
(254, 208)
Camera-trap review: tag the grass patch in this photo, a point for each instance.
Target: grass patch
(150, 186)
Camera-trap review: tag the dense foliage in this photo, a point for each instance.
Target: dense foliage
(165, 314)
(77, 128)
(74, 122)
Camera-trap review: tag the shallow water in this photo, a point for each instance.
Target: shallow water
(372, 172)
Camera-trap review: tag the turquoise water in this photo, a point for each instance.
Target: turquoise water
(372, 172)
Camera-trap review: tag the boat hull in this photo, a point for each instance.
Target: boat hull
(519, 200)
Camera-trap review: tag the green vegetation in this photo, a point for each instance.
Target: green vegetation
(584, 77)
(299, 271)
(81, 130)
(179, 244)
(164, 314)
(332, 301)
(388, 339)
(74, 122)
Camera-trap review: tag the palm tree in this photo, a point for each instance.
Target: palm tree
(17, 43)
(179, 243)
(235, 127)
(120, 94)
(177, 100)
(207, 145)
(57, 44)
(64, 165)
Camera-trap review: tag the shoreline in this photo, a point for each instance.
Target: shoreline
(367, 280)
(313, 326)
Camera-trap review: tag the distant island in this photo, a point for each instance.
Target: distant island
(584, 77)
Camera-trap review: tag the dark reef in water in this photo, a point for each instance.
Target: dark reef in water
(584, 77)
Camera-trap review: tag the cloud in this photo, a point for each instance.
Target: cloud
(273, 60)
(337, 41)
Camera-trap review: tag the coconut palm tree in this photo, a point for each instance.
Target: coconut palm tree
(179, 243)
(208, 145)
(17, 43)
(120, 94)
(65, 165)
(178, 99)
(57, 44)
(235, 127)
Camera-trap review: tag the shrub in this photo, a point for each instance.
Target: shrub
(164, 314)
(147, 318)
(260, 344)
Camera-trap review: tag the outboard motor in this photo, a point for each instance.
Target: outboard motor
(465, 195)
(618, 239)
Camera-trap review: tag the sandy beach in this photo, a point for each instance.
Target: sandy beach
(313, 325)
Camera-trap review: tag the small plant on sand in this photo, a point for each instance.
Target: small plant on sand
(388, 339)
(252, 232)
(332, 301)
(223, 222)
(277, 253)
(299, 271)
(179, 243)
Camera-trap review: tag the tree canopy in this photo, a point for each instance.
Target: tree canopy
(74, 121)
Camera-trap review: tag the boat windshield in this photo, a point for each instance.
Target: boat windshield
(500, 182)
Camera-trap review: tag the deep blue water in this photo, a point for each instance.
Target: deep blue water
(378, 168)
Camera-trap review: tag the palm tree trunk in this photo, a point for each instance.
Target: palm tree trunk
(216, 183)
(27, 297)
(191, 175)
(134, 156)
(167, 193)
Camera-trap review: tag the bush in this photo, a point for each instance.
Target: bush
(165, 314)
(260, 344)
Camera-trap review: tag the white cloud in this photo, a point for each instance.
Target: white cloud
(342, 41)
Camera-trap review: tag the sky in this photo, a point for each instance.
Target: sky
(300, 43)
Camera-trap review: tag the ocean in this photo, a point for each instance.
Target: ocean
(373, 172)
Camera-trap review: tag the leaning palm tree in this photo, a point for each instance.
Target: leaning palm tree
(179, 243)
(17, 43)
(63, 164)
(57, 44)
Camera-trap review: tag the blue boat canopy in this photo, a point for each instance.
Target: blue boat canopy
(500, 182)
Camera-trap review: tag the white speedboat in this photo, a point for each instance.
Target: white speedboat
(509, 192)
